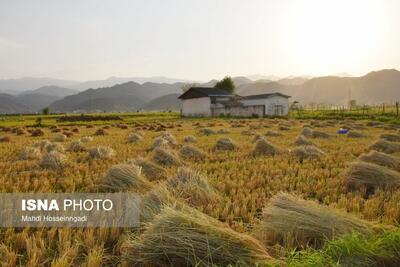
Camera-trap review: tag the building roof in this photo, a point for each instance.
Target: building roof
(197, 92)
(263, 96)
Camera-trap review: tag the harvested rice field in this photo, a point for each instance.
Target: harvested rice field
(217, 192)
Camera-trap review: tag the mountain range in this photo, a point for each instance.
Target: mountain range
(160, 93)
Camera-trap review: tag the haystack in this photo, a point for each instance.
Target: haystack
(301, 140)
(189, 139)
(225, 144)
(371, 176)
(191, 152)
(54, 147)
(5, 139)
(29, 153)
(206, 131)
(188, 237)
(192, 187)
(319, 134)
(385, 147)
(101, 152)
(152, 171)
(265, 148)
(257, 137)
(53, 160)
(222, 131)
(381, 159)
(355, 134)
(59, 137)
(294, 222)
(166, 157)
(159, 142)
(20, 131)
(37, 132)
(391, 137)
(86, 139)
(170, 138)
(272, 133)
(125, 177)
(101, 131)
(307, 152)
(134, 138)
(76, 146)
(155, 199)
(307, 132)
(42, 144)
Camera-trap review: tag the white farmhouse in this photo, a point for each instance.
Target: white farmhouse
(213, 102)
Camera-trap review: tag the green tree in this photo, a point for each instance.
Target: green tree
(46, 111)
(226, 84)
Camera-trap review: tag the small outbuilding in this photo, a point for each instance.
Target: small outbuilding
(213, 102)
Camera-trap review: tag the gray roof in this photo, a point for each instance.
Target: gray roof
(196, 92)
(262, 96)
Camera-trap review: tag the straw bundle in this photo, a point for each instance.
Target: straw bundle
(152, 171)
(265, 148)
(29, 153)
(165, 157)
(225, 144)
(191, 152)
(53, 160)
(101, 152)
(381, 159)
(385, 147)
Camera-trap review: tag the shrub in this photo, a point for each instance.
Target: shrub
(188, 237)
(294, 222)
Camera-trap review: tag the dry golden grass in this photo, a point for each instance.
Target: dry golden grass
(244, 184)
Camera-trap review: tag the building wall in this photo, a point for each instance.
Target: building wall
(196, 107)
(270, 104)
(245, 111)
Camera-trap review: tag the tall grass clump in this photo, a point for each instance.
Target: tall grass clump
(125, 177)
(381, 159)
(188, 237)
(295, 222)
(353, 250)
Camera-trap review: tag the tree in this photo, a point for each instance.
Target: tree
(46, 111)
(226, 84)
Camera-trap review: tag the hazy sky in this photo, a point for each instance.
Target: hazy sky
(196, 39)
